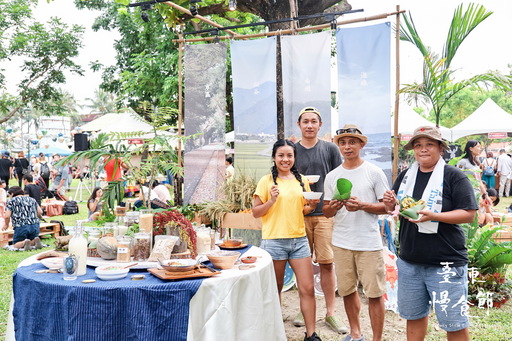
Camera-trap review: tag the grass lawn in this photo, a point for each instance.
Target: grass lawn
(486, 325)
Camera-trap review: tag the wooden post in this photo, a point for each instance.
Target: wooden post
(396, 135)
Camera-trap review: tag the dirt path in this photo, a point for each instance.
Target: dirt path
(394, 326)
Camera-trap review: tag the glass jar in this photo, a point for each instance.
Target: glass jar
(109, 229)
(124, 249)
(146, 220)
(93, 238)
(141, 246)
(131, 218)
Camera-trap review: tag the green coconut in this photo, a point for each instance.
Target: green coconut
(342, 190)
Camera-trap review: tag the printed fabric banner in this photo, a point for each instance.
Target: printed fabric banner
(205, 117)
(364, 88)
(306, 65)
(253, 65)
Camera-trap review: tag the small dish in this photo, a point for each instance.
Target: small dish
(249, 259)
(312, 178)
(111, 272)
(178, 265)
(53, 263)
(312, 195)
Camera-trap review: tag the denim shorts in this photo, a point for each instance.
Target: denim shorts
(25, 232)
(443, 287)
(287, 248)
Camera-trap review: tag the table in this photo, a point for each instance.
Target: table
(235, 305)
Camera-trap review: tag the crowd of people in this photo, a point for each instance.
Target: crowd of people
(347, 232)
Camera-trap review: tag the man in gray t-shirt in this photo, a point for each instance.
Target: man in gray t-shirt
(319, 157)
(61, 174)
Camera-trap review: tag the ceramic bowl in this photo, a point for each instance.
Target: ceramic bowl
(312, 195)
(53, 263)
(312, 178)
(111, 272)
(178, 265)
(223, 259)
(234, 241)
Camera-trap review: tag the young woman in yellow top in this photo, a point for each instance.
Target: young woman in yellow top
(279, 201)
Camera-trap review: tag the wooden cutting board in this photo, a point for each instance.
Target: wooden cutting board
(196, 273)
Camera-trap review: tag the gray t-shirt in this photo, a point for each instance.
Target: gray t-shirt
(318, 160)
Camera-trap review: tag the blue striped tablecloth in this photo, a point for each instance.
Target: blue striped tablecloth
(48, 308)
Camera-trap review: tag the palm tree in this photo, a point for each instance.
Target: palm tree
(103, 102)
(438, 85)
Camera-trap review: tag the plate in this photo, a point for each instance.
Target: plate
(241, 246)
(98, 261)
(53, 263)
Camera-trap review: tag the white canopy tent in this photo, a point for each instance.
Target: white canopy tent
(488, 118)
(408, 120)
(124, 122)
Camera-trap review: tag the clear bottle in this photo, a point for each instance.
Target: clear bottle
(78, 247)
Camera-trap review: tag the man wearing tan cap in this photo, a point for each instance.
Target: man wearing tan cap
(319, 157)
(356, 238)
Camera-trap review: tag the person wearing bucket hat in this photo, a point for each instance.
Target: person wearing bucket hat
(6, 168)
(356, 238)
(319, 157)
(433, 257)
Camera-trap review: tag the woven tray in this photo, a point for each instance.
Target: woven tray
(196, 273)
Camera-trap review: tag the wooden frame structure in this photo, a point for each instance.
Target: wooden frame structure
(181, 41)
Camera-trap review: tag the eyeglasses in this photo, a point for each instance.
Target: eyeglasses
(349, 131)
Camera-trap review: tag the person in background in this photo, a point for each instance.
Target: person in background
(279, 202)
(433, 258)
(471, 164)
(61, 174)
(43, 169)
(6, 168)
(25, 214)
(162, 192)
(31, 189)
(94, 204)
(3, 202)
(489, 166)
(114, 168)
(319, 157)
(356, 238)
(469, 160)
(230, 170)
(504, 170)
(486, 202)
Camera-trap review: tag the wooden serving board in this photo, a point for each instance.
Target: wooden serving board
(198, 272)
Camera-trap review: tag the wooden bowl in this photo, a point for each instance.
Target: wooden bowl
(223, 259)
(233, 242)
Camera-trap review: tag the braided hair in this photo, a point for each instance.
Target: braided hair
(294, 170)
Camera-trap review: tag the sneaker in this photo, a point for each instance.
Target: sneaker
(334, 322)
(27, 246)
(299, 320)
(349, 338)
(37, 243)
(313, 337)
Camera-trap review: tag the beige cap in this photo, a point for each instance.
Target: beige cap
(350, 130)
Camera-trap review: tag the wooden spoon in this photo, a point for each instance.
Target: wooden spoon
(129, 266)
